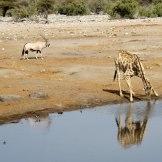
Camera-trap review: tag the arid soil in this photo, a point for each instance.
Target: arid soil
(78, 68)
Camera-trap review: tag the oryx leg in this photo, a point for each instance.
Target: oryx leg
(26, 54)
(36, 56)
(128, 81)
(41, 54)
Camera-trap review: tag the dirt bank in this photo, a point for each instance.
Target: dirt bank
(78, 67)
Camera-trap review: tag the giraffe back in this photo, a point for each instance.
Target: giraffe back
(129, 64)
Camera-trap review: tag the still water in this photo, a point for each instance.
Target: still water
(116, 133)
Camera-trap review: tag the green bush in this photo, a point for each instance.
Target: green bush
(147, 11)
(73, 8)
(45, 6)
(25, 11)
(96, 6)
(20, 13)
(126, 8)
(109, 8)
(1, 12)
(116, 8)
(156, 1)
(158, 9)
(6, 5)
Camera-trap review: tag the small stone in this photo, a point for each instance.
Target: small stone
(38, 95)
(25, 90)
(4, 142)
(43, 70)
(60, 112)
(157, 64)
(4, 98)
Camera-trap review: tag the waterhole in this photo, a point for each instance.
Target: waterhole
(115, 133)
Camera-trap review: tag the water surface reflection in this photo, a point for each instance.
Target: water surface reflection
(90, 135)
(131, 127)
(40, 122)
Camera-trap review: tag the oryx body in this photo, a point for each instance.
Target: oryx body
(34, 47)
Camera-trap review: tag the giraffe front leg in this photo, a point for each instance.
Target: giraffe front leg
(155, 93)
(133, 93)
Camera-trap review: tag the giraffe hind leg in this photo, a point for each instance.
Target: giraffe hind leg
(119, 83)
(128, 81)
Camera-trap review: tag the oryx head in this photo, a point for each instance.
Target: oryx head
(46, 40)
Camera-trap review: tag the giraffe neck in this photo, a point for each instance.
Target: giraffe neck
(142, 74)
(146, 84)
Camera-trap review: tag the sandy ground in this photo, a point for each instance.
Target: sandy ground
(78, 68)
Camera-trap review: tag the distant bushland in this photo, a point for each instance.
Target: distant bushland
(20, 9)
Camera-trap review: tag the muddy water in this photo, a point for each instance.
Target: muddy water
(127, 132)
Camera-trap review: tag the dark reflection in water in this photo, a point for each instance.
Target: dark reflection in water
(130, 129)
(89, 135)
(41, 122)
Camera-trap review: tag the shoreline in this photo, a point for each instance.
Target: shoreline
(78, 66)
(14, 118)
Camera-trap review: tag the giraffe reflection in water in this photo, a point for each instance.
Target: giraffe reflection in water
(132, 126)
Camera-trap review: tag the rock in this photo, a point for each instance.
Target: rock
(157, 64)
(148, 67)
(38, 95)
(43, 70)
(4, 142)
(5, 98)
(60, 112)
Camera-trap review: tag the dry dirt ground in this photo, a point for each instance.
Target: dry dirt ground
(78, 68)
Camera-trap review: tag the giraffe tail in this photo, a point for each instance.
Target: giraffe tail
(115, 73)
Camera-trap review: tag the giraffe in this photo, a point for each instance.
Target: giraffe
(130, 65)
